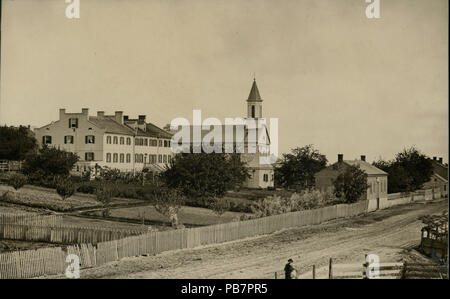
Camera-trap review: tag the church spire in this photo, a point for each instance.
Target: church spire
(254, 93)
(254, 102)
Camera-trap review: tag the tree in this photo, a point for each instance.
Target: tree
(17, 180)
(16, 143)
(418, 166)
(50, 161)
(105, 192)
(351, 184)
(168, 202)
(297, 169)
(408, 171)
(65, 187)
(202, 175)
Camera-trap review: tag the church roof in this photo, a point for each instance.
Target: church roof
(254, 93)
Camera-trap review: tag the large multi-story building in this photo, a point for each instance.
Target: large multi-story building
(115, 141)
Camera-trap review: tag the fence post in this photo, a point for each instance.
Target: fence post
(403, 275)
(276, 274)
(330, 269)
(365, 265)
(314, 272)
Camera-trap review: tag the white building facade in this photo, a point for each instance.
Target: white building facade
(114, 141)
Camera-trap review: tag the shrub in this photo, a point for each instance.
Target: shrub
(307, 200)
(219, 205)
(65, 187)
(17, 180)
(104, 192)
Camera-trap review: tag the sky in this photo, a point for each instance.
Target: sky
(333, 78)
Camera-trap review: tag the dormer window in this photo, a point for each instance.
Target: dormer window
(90, 139)
(73, 123)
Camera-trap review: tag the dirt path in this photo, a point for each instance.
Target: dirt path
(391, 234)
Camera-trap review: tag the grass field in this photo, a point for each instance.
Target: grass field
(188, 215)
(38, 197)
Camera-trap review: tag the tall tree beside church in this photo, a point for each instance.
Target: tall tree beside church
(297, 169)
(205, 176)
(16, 142)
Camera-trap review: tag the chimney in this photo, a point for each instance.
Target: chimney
(118, 117)
(101, 113)
(141, 119)
(363, 158)
(434, 158)
(85, 111)
(62, 112)
(340, 157)
(440, 160)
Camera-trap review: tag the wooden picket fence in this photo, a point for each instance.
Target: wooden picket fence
(95, 250)
(64, 234)
(30, 219)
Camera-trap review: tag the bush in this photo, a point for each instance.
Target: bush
(50, 161)
(65, 187)
(219, 205)
(17, 180)
(104, 192)
(307, 200)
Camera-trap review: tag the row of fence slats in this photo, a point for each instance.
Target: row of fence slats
(114, 245)
(61, 234)
(30, 219)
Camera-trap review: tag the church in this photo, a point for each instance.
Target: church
(247, 136)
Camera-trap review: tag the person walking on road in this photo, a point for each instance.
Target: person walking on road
(289, 270)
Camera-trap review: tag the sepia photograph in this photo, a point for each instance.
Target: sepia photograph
(205, 141)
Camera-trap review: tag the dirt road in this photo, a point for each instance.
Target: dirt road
(390, 233)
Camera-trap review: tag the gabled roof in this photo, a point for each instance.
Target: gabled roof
(152, 130)
(440, 169)
(254, 93)
(110, 125)
(367, 167)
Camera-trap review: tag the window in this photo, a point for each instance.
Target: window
(153, 142)
(73, 123)
(165, 158)
(90, 139)
(68, 139)
(160, 158)
(115, 158)
(139, 158)
(169, 158)
(253, 111)
(108, 139)
(108, 157)
(115, 140)
(145, 141)
(89, 156)
(165, 143)
(128, 140)
(122, 140)
(122, 158)
(47, 139)
(128, 158)
(160, 144)
(266, 177)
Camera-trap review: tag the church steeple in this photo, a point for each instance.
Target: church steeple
(254, 102)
